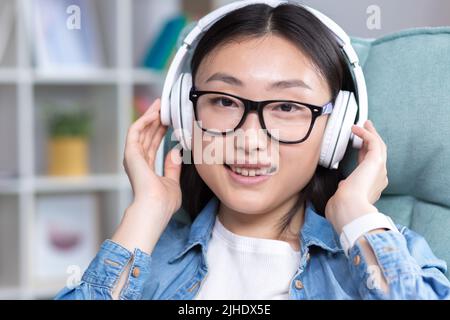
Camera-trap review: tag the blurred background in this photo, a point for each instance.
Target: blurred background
(74, 74)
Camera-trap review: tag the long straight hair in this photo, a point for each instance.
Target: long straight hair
(303, 29)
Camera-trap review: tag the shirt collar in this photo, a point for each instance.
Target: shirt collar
(316, 230)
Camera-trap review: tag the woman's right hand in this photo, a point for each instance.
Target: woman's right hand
(143, 140)
(156, 198)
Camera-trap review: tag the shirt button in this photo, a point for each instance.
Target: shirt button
(298, 284)
(194, 286)
(136, 272)
(357, 260)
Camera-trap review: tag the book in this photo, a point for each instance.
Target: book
(59, 46)
(163, 47)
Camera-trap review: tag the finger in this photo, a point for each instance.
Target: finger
(154, 127)
(149, 133)
(362, 152)
(148, 116)
(371, 141)
(135, 130)
(152, 149)
(157, 138)
(371, 128)
(146, 141)
(172, 165)
(156, 105)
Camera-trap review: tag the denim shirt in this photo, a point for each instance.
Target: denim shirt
(177, 265)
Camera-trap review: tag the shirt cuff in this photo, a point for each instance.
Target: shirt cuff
(392, 254)
(109, 264)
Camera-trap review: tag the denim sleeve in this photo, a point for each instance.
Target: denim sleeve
(104, 272)
(409, 266)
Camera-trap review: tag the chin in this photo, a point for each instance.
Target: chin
(245, 201)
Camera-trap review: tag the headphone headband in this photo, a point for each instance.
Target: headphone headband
(179, 63)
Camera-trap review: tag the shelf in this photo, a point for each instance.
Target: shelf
(9, 186)
(8, 75)
(72, 184)
(146, 76)
(92, 76)
(29, 94)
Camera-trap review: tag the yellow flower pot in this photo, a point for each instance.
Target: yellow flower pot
(68, 156)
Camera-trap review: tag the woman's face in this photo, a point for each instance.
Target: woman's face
(257, 63)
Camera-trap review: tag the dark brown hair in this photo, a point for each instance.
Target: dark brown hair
(302, 28)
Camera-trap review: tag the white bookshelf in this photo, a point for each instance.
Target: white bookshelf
(126, 27)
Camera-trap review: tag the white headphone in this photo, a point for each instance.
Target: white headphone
(177, 110)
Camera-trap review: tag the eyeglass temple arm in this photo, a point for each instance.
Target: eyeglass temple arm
(328, 108)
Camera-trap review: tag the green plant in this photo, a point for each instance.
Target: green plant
(70, 124)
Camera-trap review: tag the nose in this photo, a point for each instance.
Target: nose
(251, 137)
(252, 121)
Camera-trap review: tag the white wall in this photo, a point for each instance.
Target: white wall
(395, 14)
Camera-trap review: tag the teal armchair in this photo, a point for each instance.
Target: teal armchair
(408, 83)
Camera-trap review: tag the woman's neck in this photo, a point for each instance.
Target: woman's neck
(265, 225)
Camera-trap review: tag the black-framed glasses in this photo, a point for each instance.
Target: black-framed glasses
(286, 121)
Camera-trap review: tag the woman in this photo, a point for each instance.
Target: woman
(267, 229)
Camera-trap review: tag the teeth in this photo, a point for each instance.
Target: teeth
(252, 172)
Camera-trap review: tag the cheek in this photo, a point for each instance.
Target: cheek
(297, 166)
(299, 162)
(207, 162)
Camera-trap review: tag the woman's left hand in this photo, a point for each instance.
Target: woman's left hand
(357, 193)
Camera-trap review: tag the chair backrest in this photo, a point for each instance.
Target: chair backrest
(408, 81)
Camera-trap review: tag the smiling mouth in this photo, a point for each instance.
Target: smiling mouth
(252, 172)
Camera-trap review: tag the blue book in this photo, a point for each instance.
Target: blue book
(161, 49)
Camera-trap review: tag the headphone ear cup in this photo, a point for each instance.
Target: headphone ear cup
(338, 130)
(187, 110)
(182, 110)
(175, 110)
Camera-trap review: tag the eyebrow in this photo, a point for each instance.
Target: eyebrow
(220, 76)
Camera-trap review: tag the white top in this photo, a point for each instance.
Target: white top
(244, 268)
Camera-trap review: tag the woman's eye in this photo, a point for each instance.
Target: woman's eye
(287, 107)
(223, 102)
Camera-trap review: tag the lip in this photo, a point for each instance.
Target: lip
(246, 181)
